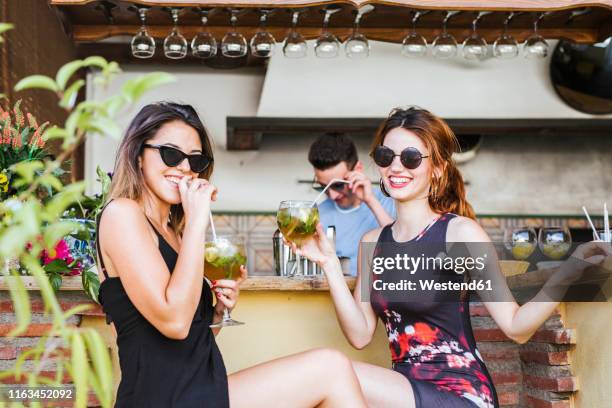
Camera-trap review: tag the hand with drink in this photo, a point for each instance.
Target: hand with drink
(196, 195)
(225, 260)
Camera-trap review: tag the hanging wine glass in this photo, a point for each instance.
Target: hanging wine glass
(506, 46)
(414, 44)
(263, 42)
(294, 45)
(234, 45)
(536, 46)
(445, 45)
(142, 44)
(327, 45)
(357, 45)
(204, 44)
(475, 46)
(175, 45)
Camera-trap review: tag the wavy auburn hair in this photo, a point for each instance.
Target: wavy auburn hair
(447, 192)
(128, 180)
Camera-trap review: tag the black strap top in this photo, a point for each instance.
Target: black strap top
(157, 371)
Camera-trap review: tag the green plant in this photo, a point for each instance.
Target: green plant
(28, 222)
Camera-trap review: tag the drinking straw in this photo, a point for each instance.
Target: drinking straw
(212, 227)
(606, 223)
(591, 223)
(326, 187)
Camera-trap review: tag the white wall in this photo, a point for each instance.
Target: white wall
(509, 175)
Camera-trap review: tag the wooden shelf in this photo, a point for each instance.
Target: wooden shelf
(91, 21)
(246, 133)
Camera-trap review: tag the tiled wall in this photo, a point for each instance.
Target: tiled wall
(257, 230)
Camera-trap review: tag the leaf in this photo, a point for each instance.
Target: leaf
(135, 88)
(46, 291)
(56, 231)
(95, 61)
(55, 279)
(54, 133)
(70, 95)
(79, 369)
(62, 200)
(101, 363)
(51, 181)
(105, 126)
(56, 266)
(27, 169)
(91, 284)
(38, 82)
(5, 27)
(21, 303)
(66, 71)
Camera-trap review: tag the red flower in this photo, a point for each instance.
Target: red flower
(61, 251)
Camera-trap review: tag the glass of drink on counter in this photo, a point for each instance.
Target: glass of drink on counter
(223, 257)
(555, 242)
(521, 242)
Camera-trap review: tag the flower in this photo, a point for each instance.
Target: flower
(4, 182)
(61, 251)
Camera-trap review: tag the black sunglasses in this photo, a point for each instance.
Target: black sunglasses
(410, 157)
(172, 157)
(337, 186)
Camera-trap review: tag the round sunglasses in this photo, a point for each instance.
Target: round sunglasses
(172, 157)
(410, 157)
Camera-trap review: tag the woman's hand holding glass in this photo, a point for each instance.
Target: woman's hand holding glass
(227, 292)
(585, 255)
(317, 248)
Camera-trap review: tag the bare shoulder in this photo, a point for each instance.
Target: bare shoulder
(372, 235)
(464, 229)
(122, 210)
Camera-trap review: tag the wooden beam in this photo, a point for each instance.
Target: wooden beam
(92, 33)
(502, 5)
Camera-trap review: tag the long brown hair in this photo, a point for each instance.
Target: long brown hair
(447, 192)
(128, 180)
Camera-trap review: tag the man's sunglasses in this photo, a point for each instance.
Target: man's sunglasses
(338, 186)
(410, 157)
(172, 157)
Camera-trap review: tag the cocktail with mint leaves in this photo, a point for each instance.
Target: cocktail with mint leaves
(297, 220)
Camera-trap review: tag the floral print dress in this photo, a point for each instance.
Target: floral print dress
(432, 343)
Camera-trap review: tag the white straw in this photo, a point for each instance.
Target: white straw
(591, 223)
(326, 187)
(212, 227)
(606, 223)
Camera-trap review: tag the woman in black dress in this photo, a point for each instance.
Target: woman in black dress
(151, 237)
(435, 362)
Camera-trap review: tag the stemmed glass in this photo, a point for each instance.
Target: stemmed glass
(521, 242)
(536, 46)
(554, 242)
(263, 42)
(175, 45)
(357, 45)
(414, 44)
(294, 45)
(506, 46)
(143, 45)
(475, 46)
(445, 45)
(297, 221)
(327, 45)
(224, 254)
(233, 44)
(204, 44)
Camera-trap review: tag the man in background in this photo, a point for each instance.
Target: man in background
(354, 208)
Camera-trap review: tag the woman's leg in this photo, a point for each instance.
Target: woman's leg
(319, 377)
(384, 388)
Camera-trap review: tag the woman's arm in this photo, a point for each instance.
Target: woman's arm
(167, 301)
(357, 319)
(518, 322)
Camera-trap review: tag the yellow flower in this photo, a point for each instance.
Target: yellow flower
(3, 183)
